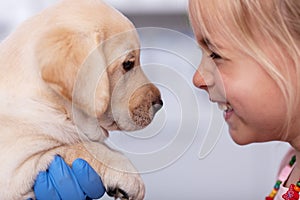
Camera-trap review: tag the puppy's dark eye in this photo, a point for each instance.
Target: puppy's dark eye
(128, 65)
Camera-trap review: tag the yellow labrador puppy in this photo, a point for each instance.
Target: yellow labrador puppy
(68, 76)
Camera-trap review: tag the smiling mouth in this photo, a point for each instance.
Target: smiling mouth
(227, 110)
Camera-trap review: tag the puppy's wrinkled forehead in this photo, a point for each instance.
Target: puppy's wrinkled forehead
(124, 44)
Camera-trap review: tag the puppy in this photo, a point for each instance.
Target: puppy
(68, 76)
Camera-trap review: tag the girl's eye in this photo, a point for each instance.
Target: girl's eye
(128, 65)
(214, 55)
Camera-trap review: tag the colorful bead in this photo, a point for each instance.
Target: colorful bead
(277, 185)
(293, 160)
(297, 189)
(293, 192)
(273, 193)
(285, 172)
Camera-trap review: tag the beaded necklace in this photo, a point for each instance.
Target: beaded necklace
(293, 192)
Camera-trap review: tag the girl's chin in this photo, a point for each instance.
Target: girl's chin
(244, 138)
(240, 138)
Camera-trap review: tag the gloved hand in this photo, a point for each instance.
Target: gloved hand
(80, 182)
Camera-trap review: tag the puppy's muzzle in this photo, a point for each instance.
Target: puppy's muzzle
(144, 104)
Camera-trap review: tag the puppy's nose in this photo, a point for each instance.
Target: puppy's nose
(157, 105)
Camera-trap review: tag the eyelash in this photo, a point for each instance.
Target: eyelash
(214, 55)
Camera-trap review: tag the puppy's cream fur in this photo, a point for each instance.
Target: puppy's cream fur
(63, 87)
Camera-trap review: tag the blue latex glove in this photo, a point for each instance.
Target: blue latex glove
(60, 182)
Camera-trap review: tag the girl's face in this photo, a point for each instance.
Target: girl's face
(254, 107)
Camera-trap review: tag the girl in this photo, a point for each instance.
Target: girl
(251, 68)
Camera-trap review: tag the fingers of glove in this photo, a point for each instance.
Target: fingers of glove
(44, 188)
(64, 180)
(88, 179)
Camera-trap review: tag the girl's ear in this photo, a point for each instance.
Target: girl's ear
(75, 68)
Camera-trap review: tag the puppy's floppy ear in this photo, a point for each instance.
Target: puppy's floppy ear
(74, 67)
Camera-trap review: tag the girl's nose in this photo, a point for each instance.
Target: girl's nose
(200, 81)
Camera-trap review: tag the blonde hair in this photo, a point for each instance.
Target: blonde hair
(249, 25)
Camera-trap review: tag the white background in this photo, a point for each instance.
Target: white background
(229, 171)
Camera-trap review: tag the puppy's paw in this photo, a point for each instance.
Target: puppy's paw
(124, 184)
(119, 176)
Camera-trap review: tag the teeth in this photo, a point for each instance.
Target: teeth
(229, 108)
(222, 107)
(225, 107)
